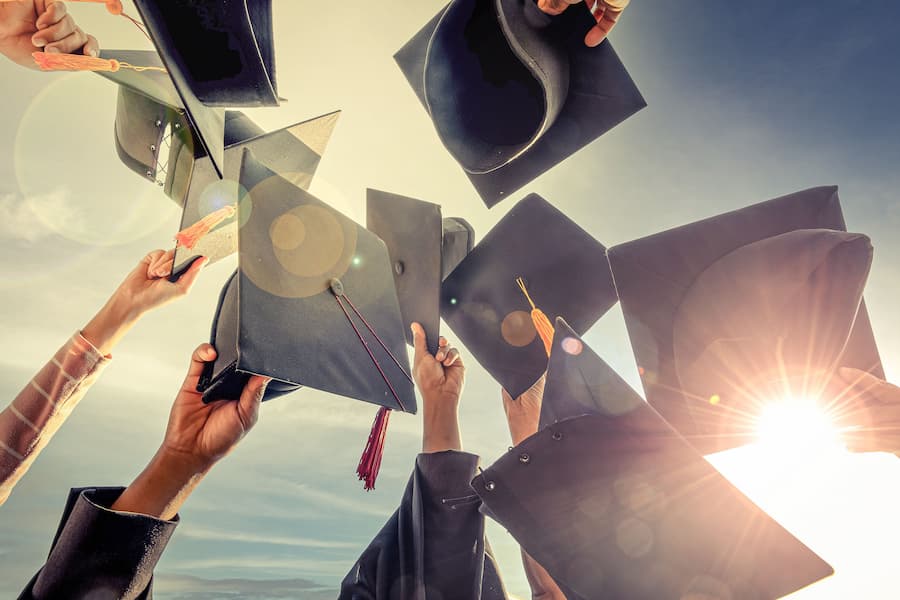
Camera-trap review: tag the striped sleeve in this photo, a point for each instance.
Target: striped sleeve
(40, 409)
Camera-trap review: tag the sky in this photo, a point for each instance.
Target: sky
(746, 101)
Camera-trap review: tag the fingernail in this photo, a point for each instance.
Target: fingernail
(93, 53)
(52, 50)
(39, 42)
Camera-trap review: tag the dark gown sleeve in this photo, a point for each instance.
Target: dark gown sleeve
(433, 547)
(99, 553)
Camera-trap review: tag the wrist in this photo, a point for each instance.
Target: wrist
(521, 428)
(111, 323)
(440, 427)
(164, 485)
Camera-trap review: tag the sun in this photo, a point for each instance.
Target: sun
(797, 425)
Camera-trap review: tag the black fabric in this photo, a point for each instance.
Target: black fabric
(423, 249)
(285, 317)
(101, 554)
(614, 503)
(654, 274)
(554, 94)
(433, 547)
(566, 274)
(222, 51)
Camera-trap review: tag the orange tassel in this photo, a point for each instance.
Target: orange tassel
(188, 237)
(48, 61)
(370, 461)
(541, 322)
(73, 62)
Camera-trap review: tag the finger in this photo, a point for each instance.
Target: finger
(553, 7)
(153, 260)
(453, 358)
(54, 13)
(91, 47)
(162, 270)
(863, 383)
(442, 341)
(187, 280)
(71, 44)
(203, 354)
(55, 34)
(420, 344)
(251, 398)
(606, 20)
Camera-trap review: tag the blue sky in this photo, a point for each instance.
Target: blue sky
(746, 102)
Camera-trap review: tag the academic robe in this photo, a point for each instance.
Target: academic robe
(433, 547)
(99, 553)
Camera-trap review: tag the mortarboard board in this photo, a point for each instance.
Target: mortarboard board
(222, 52)
(281, 315)
(564, 271)
(294, 152)
(512, 91)
(742, 309)
(614, 503)
(207, 125)
(424, 248)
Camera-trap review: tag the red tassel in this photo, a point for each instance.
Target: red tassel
(370, 462)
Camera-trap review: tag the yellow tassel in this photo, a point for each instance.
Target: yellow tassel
(541, 322)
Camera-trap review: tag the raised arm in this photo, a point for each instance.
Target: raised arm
(40, 409)
(110, 540)
(523, 415)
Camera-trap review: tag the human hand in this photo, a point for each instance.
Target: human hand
(28, 26)
(146, 287)
(605, 12)
(440, 379)
(204, 433)
(523, 414)
(869, 412)
(197, 436)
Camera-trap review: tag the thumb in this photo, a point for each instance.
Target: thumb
(420, 344)
(251, 398)
(189, 277)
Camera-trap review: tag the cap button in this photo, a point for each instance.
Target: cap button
(557, 436)
(489, 486)
(524, 458)
(399, 267)
(337, 288)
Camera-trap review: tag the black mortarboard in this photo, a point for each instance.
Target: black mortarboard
(294, 152)
(176, 104)
(424, 249)
(742, 309)
(564, 271)
(614, 503)
(222, 52)
(312, 297)
(513, 91)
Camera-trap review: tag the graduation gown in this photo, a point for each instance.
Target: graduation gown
(433, 547)
(100, 553)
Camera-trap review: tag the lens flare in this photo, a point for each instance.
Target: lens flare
(798, 425)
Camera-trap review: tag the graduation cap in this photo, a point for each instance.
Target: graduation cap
(154, 81)
(755, 306)
(209, 222)
(512, 91)
(221, 53)
(534, 262)
(312, 303)
(424, 248)
(614, 503)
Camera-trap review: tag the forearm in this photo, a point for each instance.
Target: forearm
(543, 587)
(111, 323)
(440, 427)
(39, 410)
(163, 486)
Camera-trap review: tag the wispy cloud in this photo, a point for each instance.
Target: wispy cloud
(200, 533)
(20, 217)
(299, 565)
